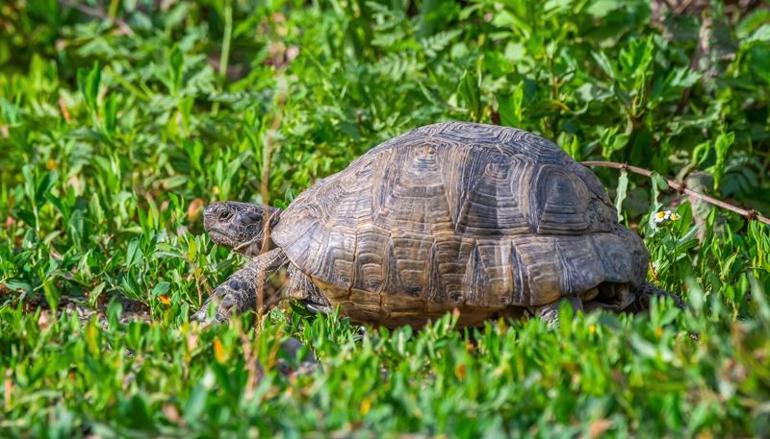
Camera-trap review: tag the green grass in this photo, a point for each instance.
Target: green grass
(120, 119)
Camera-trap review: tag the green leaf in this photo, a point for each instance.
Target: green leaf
(604, 63)
(470, 92)
(760, 35)
(510, 108)
(722, 146)
(88, 83)
(110, 114)
(160, 288)
(602, 8)
(176, 64)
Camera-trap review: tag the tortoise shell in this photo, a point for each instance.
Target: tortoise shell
(458, 215)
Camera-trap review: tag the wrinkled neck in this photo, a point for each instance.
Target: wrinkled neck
(252, 247)
(262, 242)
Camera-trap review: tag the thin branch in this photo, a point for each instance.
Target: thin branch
(264, 185)
(749, 214)
(125, 29)
(224, 56)
(701, 50)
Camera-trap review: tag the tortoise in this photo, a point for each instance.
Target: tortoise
(487, 220)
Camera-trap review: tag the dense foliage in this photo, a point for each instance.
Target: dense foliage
(120, 119)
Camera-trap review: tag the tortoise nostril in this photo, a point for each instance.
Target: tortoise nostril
(214, 210)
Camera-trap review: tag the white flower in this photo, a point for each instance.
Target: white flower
(665, 216)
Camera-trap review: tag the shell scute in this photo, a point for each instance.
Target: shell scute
(458, 214)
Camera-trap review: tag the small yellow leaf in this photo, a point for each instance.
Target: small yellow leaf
(366, 405)
(460, 371)
(164, 299)
(194, 209)
(92, 335)
(219, 351)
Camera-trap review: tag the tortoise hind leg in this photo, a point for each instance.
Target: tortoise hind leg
(610, 296)
(241, 290)
(645, 291)
(301, 288)
(621, 297)
(550, 312)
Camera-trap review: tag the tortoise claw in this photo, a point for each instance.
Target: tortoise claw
(227, 301)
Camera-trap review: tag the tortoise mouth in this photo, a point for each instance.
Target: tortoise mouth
(219, 236)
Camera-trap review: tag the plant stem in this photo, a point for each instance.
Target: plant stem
(113, 11)
(141, 95)
(224, 57)
(264, 183)
(124, 28)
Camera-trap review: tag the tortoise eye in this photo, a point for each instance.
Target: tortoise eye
(225, 215)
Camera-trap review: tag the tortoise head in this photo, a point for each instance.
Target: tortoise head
(239, 226)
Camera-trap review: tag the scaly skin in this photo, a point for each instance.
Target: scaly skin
(240, 292)
(641, 302)
(646, 290)
(241, 228)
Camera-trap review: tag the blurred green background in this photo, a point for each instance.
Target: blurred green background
(120, 119)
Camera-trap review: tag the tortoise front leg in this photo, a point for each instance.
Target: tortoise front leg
(550, 312)
(622, 298)
(242, 289)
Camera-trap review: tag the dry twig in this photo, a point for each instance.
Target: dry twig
(749, 214)
(267, 152)
(125, 29)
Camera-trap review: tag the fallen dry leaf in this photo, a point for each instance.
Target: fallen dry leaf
(598, 427)
(44, 320)
(8, 388)
(192, 342)
(64, 111)
(194, 209)
(172, 413)
(460, 371)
